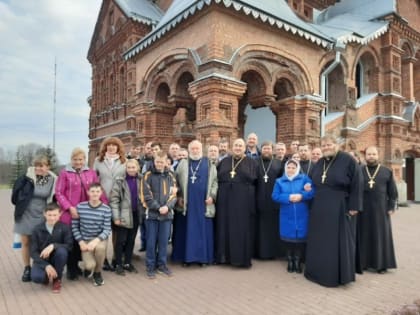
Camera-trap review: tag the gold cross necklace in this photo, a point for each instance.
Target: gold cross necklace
(234, 166)
(325, 170)
(371, 181)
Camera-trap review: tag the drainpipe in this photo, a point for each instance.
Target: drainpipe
(324, 76)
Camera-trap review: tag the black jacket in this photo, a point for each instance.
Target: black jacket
(61, 237)
(22, 193)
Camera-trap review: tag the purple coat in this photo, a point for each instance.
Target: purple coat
(71, 189)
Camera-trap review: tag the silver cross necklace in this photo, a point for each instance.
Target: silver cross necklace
(193, 177)
(266, 171)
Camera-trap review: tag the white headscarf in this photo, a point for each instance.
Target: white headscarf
(296, 172)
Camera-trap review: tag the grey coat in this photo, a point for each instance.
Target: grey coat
(212, 186)
(108, 176)
(120, 202)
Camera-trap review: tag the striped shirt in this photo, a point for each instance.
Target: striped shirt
(92, 222)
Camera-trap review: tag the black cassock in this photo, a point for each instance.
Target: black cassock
(331, 245)
(374, 223)
(235, 213)
(268, 244)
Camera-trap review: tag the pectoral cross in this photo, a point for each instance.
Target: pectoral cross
(232, 174)
(323, 177)
(265, 178)
(193, 178)
(371, 183)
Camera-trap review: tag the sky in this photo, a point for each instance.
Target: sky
(33, 34)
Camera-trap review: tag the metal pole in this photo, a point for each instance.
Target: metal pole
(54, 105)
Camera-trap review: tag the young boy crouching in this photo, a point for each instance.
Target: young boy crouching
(51, 242)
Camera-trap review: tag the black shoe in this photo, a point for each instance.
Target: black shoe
(290, 264)
(142, 249)
(107, 266)
(130, 268)
(97, 279)
(382, 271)
(87, 274)
(26, 277)
(119, 270)
(297, 264)
(72, 276)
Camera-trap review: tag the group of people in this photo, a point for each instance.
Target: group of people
(315, 206)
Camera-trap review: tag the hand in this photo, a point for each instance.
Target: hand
(353, 212)
(181, 202)
(83, 246)
(307, 187)
(174, 190)
(209, 201)
(73, 213)
(295, 197)
(92, 244)
(163, 210)
(46, 252)
(51, 272)
(117, 222)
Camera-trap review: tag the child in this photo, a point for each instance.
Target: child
(158, 194)
(289, 190)
(50, 244)
(91, 230)
(125, 205)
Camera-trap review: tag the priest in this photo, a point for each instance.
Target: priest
(193, 237)
(237, 176)
(374, 223)
(268, 243)
(330, 253)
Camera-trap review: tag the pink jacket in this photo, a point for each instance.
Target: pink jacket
(71, 189)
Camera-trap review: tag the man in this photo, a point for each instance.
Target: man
(267, 225)
(51, 242)
(237, 177)
(193, 224)
(147, 153)
(223, 149)
(213, 154)
(293, 148)
(182, 154)
(135, 153)
(316, 154)
(280, 151)
(330, 254)
(306, 164)
(374, 223)
(91, 230)
(173, 155)
(155, 147)
(252, 150)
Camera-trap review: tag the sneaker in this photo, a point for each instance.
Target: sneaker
(26, 277)
(151, 273)
(97, 279)
(56, 286)
(119, 270)
(107, 266)
(164, 270)
(130, 268)
(87, 273)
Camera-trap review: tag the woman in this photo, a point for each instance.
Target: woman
(71, 189)
(125, 205)
(110, 165)
(289, 191)
(30, 195)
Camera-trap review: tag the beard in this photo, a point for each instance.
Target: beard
(372, 162)
(196, 157)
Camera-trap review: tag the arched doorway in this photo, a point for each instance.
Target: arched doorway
(262, 121)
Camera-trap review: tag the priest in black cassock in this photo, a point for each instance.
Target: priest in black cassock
(331, 248)
(305, 162)
(374, 223)
(237, 176)
(268, 243)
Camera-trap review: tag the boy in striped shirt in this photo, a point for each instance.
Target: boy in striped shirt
(91, 230)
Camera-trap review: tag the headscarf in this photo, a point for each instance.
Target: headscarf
(296, 172)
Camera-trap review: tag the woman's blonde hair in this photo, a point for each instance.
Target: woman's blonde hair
(78, 151)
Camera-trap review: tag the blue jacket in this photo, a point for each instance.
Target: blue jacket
(293, 215)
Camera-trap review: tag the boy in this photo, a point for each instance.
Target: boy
(91, 231)
(51, 242)
(158, 195)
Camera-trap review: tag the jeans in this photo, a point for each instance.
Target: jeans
(58, 259)
(157, 238)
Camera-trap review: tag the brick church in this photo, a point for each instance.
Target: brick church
(175, 70)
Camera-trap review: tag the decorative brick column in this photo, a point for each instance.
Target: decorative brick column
(216, 108)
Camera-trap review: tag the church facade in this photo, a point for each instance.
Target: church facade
(177, 70)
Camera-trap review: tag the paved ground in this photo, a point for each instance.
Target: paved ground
(264, 289)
